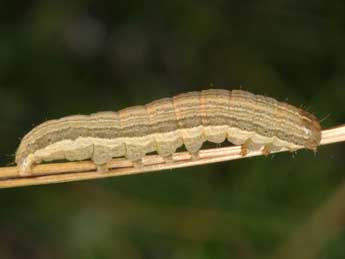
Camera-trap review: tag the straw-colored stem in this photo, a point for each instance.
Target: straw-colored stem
(84, 170)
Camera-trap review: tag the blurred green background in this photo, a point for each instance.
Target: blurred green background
(67, 57)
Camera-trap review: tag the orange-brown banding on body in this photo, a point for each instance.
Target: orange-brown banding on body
(203, 113)
(188, 119)
(176, 110)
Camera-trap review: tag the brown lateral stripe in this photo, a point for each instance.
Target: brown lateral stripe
(253, 114)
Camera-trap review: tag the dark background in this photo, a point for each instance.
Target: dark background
(59, 58)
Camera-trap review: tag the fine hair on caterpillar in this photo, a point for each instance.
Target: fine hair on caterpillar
(252, 121)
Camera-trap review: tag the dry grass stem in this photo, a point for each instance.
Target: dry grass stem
(85, 170)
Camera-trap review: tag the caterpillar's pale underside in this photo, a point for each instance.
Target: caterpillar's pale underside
(190, 119)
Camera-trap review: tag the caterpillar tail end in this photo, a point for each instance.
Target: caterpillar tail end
(25, 167)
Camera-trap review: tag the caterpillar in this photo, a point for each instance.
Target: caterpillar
(252, 121)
